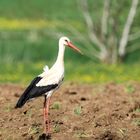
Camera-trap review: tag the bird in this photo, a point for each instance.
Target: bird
(47, 82)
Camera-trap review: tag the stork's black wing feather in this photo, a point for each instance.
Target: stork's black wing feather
(33, 91)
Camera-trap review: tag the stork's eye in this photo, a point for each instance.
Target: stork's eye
(66, 40)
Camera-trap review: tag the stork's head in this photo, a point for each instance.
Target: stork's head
(66, 42)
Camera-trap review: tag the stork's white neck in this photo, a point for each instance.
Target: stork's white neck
(60, 57)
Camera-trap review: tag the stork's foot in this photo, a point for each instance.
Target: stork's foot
(45, 137)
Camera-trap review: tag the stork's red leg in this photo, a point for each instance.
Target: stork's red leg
(44, 113)
(46, 116)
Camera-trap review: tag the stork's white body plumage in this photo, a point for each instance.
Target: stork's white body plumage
(47, 82)
(52, 76)
(55, 75)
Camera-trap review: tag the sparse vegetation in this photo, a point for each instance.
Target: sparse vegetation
(34, 129)
(129, 89)
(136, 122)
(122, 132)
(137, 110)
(81, 134)
(56, 105)
(78, 110)
(8, 108)
(56, 128)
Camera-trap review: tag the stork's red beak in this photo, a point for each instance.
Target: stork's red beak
(74, 47)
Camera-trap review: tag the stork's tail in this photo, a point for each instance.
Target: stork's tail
(26, 95)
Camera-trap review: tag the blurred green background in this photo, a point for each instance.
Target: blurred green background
(29, 33)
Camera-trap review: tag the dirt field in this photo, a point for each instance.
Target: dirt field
(90, 112)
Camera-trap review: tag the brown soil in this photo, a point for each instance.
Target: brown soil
(89, 112)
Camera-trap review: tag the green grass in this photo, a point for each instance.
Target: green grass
(31, 46)
(26, 45)
(23, 53)
(38, 9)
(22, 73)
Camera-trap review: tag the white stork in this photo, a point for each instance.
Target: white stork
(47, 82)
